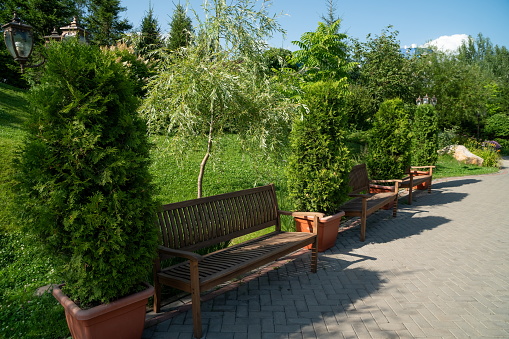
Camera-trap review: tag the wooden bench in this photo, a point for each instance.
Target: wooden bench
(417, 178)
(365, 203)
(192, 225)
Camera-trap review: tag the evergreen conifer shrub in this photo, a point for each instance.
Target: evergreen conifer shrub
(389, 142)
(425, 136)
(84, 183)
(319, 163)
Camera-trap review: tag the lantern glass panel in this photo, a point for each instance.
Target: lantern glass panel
(23, 41)
(9, 44)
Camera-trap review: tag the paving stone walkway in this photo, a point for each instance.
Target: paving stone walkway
(438, 270)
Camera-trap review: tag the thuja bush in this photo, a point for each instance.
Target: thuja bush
(84, 185)
(389, 148)
(425, 136)
(319, 163)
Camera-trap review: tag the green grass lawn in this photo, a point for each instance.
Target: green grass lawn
(447, 167)
(22, 267)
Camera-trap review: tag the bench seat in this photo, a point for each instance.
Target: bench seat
(226, 264)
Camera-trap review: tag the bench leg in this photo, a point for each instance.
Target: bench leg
(314, 255)
(157, 287)
(196, 300)
(410, 195)
(363, 218)
(395, 207)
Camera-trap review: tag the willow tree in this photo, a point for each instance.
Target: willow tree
(218, 82)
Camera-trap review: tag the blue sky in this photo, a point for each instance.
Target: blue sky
(418, 22)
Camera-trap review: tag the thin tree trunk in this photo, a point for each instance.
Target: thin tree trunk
(204, 161)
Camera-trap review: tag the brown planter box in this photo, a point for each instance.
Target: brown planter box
(123, 318)
(328, 228)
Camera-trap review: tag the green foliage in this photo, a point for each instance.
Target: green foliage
(207, 89)
(150, 36)
(85, 190)
(138, 69)
(181, 29)
(425, 136)
(383, 70)
(323, 53)
(104, 22)
(497, 126)
(319, 165)
(389, 144)
(490, 156)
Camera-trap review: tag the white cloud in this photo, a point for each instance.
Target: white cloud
(448, 43)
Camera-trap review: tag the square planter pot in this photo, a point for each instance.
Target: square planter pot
(122, 318)
(327, 232)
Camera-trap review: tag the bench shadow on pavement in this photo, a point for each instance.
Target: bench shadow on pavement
(337, 287)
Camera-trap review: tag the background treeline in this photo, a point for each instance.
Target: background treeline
(472, 85)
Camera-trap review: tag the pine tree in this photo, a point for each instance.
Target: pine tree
(103, 22)
(150, 34)
(181, 29)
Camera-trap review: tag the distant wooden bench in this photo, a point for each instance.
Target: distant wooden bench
(192, 225)
(417, 178)
(365, 203)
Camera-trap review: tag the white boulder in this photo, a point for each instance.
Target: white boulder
(461, 153)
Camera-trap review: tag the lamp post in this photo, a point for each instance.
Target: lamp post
(19, 40)
(426, 100)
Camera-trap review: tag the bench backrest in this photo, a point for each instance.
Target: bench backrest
(207, 221)
(358, 179)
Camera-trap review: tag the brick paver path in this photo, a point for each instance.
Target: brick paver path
(438, 270)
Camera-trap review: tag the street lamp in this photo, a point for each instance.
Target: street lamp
(19, 40)
(73, 30)
(426, 100)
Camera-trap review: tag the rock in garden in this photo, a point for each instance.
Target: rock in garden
(461, 153)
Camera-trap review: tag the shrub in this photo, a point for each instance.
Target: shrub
(85, 190)
(425, 136)
(497, 126)
(388, 145)
(319, 165)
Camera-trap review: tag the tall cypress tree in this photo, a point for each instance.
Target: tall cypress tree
(181, 29)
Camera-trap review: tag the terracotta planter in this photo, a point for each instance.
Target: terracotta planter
(123, 318)
(382, 189)
(327, 232)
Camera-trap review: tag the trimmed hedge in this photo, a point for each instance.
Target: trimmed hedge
(319, 162)
(85, 189)
(425, 138)
(389, 143)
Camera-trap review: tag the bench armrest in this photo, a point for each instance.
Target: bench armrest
(412, 167)
(385, 181)
(179, 253)
(414, 170)
(355, 195)
(302, 214)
